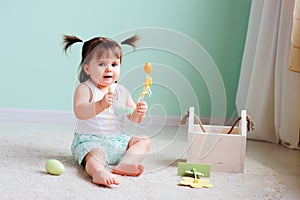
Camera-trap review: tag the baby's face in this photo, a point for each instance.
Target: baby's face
(104, 71)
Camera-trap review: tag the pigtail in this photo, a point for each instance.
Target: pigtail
(131, 41)
(69, 40)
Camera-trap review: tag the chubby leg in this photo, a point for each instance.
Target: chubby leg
(137, 149)
(95, 167)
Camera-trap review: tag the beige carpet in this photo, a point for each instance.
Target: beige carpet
(23, 174)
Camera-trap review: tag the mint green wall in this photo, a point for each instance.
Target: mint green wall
(36, 74)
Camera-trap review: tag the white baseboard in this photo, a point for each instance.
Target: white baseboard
(67, 116)
(159, 120)
(35, 115)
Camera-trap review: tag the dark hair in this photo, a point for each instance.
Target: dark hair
(99, 45)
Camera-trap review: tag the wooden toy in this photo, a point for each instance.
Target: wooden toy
(196, 171)
(224, 152)
(195, 182)
(184, 168)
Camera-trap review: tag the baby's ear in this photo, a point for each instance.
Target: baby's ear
(86, 69)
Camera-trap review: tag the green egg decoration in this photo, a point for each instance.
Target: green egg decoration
(54, 167)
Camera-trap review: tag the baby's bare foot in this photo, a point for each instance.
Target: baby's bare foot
(103, 177)
(128, 169)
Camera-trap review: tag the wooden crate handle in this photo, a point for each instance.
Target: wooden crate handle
(246, 124)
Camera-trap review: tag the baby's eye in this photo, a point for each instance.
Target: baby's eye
(101, 65)
(114, 65)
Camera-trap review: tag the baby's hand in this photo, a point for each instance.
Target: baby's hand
(141, 107)
(107, 100)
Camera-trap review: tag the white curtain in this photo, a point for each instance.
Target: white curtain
(267, 89)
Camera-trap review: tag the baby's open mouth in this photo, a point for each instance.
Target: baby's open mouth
(107, 76)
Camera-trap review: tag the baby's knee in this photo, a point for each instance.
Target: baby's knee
(96, 156)
(143, 140)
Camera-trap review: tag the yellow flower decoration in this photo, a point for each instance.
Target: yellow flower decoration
(147, 82)
(195, 182)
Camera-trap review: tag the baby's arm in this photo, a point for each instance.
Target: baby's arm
(83, 106)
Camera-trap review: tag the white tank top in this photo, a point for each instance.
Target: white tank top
(108, 122)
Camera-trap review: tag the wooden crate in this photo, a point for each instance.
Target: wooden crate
(224, 152)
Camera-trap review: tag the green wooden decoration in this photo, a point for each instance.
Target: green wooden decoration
(193, 169)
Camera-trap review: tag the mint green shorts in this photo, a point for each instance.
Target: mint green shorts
(113, 146)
